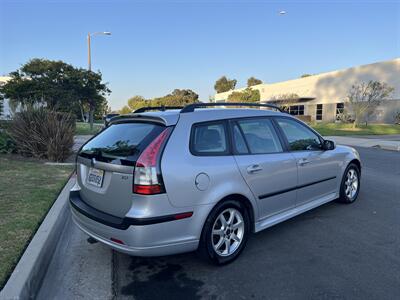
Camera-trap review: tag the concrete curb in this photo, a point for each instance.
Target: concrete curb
(31, 268)
(368, 143)
(386, 146)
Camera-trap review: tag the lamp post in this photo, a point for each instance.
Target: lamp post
(89, 51)
(91, 111)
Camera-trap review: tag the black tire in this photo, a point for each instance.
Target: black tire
(206, 249)
(345, 198)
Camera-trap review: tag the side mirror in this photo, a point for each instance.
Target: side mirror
(328, 145)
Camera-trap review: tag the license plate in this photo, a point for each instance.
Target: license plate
(95, 177)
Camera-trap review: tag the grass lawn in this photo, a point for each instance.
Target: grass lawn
(84, 128)
(28, 189)
(347, 129)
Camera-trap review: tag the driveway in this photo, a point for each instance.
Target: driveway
(333, 252)
(79, 140)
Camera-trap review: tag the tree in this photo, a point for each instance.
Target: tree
(365, 97)
(224, 84)
(176, 98)
(57, 85)
(125, 110)
(136, 102)
(305, 75)
(247, 95)
(1, 104)
(253, 81)
(283, 100)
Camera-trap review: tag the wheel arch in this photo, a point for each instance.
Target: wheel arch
(243, 199)
(356, 162)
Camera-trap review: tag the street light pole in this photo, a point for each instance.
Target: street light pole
(89, 55)
(89, 36)
(91, 109)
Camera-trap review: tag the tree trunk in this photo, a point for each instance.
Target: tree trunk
(82, 112)
(91, 114)
(355, 123)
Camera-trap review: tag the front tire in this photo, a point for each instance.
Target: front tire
(350, 186)
(225, 232)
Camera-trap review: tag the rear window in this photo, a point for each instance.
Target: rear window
(121, 143)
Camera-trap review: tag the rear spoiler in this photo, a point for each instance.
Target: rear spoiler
(138, 118)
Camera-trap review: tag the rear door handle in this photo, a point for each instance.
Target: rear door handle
(303, 162)
(253, 168)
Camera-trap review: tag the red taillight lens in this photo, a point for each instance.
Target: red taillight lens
(146, 177)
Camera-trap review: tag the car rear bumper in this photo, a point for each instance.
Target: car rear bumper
(140, 237)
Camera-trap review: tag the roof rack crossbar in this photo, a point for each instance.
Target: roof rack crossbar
(192, 107)
(161, 108)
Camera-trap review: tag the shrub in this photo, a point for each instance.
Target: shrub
(5, 124)
(7, 144)
(344, 117)
(397, 118)
(43, 133)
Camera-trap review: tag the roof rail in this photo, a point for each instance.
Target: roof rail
(161, 108)
(192, 107)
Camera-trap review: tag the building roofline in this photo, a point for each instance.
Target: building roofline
(312, 77)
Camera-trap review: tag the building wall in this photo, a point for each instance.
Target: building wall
(6, 113)
(332, 87)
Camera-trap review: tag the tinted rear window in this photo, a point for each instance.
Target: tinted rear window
(121, 143)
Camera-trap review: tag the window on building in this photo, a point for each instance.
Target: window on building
(318, 115)
(296, 110)
(339, 108)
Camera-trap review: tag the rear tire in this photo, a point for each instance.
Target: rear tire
(222, 241)
(350, 186)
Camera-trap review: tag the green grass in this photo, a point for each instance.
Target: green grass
(347, 129)
(84, 128)
(28, 189)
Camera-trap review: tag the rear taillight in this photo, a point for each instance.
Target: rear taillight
(147, 177)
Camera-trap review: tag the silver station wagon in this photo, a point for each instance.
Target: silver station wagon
(162, 181)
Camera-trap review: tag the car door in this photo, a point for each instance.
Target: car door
(317, 169)
(269, 171)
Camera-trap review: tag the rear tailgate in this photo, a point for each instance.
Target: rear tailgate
(105, 165)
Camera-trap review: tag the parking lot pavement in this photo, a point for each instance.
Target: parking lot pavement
(78, 270)
(333, 252)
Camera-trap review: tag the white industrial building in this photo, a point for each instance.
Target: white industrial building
(322, 97)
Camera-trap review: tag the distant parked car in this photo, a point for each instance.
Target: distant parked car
(165, 182)
(107, 118)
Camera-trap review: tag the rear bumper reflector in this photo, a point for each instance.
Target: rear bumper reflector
(116, 222)
(117, 241)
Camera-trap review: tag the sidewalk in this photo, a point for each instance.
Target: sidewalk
(383, 142)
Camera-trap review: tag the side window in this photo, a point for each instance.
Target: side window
(299, 137)
(239, 142)
(260, 136)
(209, 139)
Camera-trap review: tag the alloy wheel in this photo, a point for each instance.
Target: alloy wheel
(351, 184)
(227, 232)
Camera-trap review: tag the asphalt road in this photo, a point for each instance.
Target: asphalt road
(333, 252)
